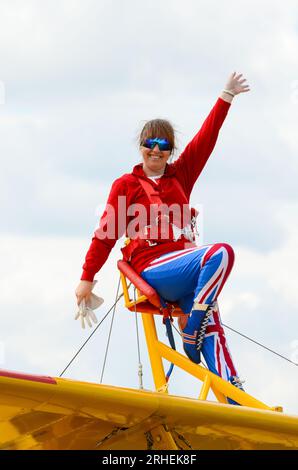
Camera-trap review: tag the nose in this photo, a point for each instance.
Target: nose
(156, 148)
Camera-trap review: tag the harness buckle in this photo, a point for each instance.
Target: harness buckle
(150, 243)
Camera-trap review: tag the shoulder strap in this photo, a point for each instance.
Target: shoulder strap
(153, 194)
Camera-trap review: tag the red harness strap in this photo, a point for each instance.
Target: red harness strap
(160, 237)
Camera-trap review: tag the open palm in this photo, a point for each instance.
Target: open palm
(236, 84)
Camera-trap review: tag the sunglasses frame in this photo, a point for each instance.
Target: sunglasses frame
(150, 144)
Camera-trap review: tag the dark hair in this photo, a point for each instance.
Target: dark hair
(160, 128)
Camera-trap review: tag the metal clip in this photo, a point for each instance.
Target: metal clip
(150, 243)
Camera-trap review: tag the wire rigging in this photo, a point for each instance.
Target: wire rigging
(140, 367)
(261, 345)
(253, 341)
(110, 332)
(89, 337)
(139, 357)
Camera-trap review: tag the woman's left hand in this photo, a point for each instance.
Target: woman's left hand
(236, 84)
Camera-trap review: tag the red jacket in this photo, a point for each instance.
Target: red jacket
(186, 169)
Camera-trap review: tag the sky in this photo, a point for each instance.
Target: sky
(78, 79)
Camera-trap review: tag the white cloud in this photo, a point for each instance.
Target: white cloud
(278, 267)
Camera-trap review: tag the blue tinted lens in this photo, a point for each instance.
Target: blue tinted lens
(163, 144)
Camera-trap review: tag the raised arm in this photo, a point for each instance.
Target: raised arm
(195, 155)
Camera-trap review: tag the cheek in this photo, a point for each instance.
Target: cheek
(145, 153)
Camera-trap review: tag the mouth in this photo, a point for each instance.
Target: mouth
(154, 157)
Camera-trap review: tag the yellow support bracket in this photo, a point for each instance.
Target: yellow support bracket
(128, 301)
(158, 351)
(162, 439)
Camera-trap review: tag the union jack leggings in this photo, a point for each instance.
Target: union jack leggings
(197, 275)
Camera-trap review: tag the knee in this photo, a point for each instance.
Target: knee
(226, 250)
(230, 255)
(229, 250)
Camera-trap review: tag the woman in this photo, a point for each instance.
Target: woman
(179, 270)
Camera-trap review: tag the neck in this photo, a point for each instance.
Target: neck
(149, 172)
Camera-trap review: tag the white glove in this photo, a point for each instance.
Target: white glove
(85, 311)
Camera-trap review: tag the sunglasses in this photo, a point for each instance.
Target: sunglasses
(163, 144)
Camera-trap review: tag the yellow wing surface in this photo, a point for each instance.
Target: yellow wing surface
(38, 412)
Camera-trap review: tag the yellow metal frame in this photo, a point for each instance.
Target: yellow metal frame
(158, 350)
(128, 301)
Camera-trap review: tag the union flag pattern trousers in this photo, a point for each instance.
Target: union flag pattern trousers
(197, 274)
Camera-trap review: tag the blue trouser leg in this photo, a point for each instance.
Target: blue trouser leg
(197, 275)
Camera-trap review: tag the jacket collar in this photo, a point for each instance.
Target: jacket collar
(138, 170)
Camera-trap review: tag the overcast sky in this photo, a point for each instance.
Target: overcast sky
(77, 81)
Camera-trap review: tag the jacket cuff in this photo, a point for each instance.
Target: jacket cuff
(223, 102)
(86, 276)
